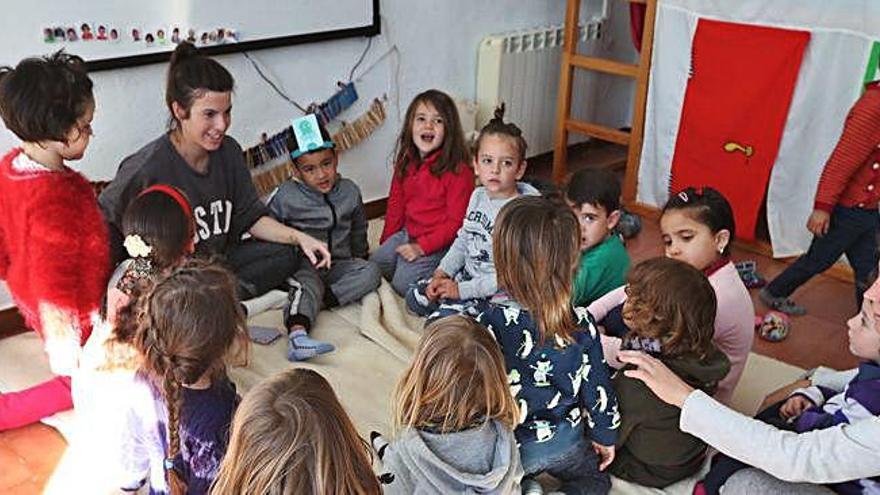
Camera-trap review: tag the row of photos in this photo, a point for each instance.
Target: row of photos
(137, 35)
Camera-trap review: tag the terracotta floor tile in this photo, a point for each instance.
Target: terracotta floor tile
(26, 488)
(815, 297)
(13, 469)
(40, 445)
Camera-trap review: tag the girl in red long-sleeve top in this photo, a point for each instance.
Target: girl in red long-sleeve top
(844, 218)
(53, 241)
(430, 190)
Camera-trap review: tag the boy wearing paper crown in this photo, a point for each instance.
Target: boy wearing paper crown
(323, 204)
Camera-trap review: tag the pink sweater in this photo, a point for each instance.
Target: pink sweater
(734, 325)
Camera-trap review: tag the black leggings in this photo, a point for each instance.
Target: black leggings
(262, 266)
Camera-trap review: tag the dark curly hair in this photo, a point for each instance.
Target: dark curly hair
(671, 301)
(42, 98)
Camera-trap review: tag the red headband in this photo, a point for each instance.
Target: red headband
(174, 193)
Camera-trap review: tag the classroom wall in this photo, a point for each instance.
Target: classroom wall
(436, 46)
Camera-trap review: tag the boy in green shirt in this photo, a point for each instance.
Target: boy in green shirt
(594, 196)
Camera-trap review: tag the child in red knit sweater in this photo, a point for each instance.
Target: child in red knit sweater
(430, 190)
(53, 242)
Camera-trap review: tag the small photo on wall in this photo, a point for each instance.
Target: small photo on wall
(114, 35)
(71, 34)
(175, 35)
(102, 33)
(86, 33)
(149, 39)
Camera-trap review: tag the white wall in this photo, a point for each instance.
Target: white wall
(436, 47)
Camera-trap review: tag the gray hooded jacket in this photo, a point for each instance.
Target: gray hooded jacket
(337, 218)
(484, 459)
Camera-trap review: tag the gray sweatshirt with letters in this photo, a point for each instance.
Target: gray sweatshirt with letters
(469, 260)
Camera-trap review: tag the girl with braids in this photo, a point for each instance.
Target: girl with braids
(185, 327)
(291, 435)
(467, 271)
(159, 236)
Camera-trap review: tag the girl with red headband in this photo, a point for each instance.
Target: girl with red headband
(158, 230)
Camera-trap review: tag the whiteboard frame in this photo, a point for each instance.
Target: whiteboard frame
(369, 30)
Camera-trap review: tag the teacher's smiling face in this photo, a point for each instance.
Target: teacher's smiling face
(207, 120)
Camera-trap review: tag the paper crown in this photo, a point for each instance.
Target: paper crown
(308, 136)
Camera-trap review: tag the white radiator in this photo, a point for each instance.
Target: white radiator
(522, 69)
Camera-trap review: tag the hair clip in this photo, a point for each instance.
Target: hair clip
(168, 463)
(683, 196)
(136, 246)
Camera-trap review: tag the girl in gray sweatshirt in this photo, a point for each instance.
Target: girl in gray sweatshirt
(454, 417)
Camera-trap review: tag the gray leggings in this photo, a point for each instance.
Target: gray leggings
(348, 280)
(400, 272)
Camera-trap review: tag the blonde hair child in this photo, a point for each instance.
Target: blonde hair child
(453, 416)
(291, 435)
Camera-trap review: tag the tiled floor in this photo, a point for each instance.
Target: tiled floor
(28, 455)
(27, 458)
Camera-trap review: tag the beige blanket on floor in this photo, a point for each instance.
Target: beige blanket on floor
(373, 342)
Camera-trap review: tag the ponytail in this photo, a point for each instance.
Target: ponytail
(497, 126)
(189, 74)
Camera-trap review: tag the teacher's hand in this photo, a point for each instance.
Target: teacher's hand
(315, 250)
(664, 383)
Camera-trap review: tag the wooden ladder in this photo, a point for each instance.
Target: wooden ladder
(565, 123)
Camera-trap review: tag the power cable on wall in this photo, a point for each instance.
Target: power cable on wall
(272, 84)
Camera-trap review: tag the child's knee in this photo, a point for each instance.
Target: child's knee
(372, 276)
(400, 284)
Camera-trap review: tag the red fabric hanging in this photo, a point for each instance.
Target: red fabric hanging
(637, 23)
(735, 106)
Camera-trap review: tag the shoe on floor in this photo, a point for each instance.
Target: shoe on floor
(530, 486)
(302, 347)
(781, 304)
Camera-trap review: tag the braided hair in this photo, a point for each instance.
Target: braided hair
(188, 323)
